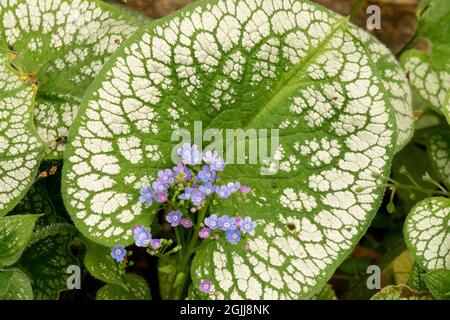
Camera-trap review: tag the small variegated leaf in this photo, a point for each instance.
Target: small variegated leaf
(136, 289)
(15, 231)
(438, 282)
(395, 84)
(438, 147)
(429, 75)
(101, 265)
(274, 64)
(427, 233)
(415, 280)
(21, 149)
(61, 45)
(19, 286)
(400, 292)
(36, 201)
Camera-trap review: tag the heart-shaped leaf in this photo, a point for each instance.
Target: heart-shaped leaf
(15, 231)
(400, 292)
(438, 147)
(429, 75)
(136, 289)
(287, 65)
(427, 233)
(20, 146)
(19, 286)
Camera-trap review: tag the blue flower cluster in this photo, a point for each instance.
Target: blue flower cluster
(232, 226)
(195, 176)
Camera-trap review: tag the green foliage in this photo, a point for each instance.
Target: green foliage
(18, 286)
(400, 292)
(438, 282)
(15, 231)
(136, 289)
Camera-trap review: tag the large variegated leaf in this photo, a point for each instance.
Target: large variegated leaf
(427, 233)
(136, 289)
(438, 282)
(62, 45)
(438, 148)
(18, 286)
(15, 231)
(20, 146)
(401, 292)
(275, 64)
(429, 75)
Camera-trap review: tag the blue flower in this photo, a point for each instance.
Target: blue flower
(182, 173)
(247, 225)
(212, 222)
(197, 197)
(142, 236)
(166, 177)
(174, 218)
(118, 253)
(206, 189)
(187, 194)
(210, 156)
(233, 236)
(161, 197)
(190, 154)
(226, 223)
(206, 175)
(159, 187)
(218, 164)
(146, 196)
(223, 192)
(234, 186)
(156, 244)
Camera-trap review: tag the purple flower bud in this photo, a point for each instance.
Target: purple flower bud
(204, 233)
(205, 286)
(161, 197)
(174, 218)
(186, 223)
(118, 253)
(245, 189)
(155, 244)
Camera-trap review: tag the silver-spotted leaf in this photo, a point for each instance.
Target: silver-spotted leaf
(21, 149)
(438, 283)
(61, 45)
(272, 64)
(438, 148)
(429, 75)
(101, 265)
(15, 231)
(5, 277)
(400, 292)
(427, 233)
(136, 289)
(19, 286)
